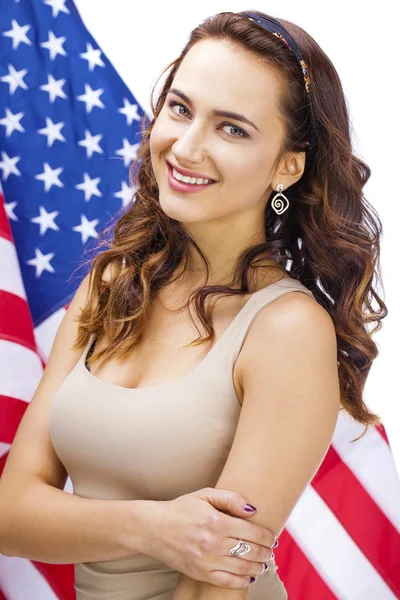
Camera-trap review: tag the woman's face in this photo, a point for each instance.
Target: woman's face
(239, 156)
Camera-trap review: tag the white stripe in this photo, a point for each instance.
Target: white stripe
(46, 332)
(21, 580)
(332, 552)
(20, 371)
(4, 448)
(68, 486)
(371, 461)
(11, 280)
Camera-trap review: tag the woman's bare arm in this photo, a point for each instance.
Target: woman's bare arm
(46, 524)
(38, 520)
(290, 409)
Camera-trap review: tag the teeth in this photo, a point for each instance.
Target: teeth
(192, 180)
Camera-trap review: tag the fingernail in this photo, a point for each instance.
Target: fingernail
(249, 508)
(272, 556)
(252, 579)
(276, 544)
(266, 567)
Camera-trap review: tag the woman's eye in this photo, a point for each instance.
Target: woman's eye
(242, 133)
(173, 103)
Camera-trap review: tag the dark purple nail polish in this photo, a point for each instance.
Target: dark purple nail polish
(249, 508)
(266, 565)
(252, 579)
(276, 544)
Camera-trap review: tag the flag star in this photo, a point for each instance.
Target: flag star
(12, 122)
(41, 262)
(125, 194)
(18, 34)
(53, 132)
(15, 79)
(92, 55)
(46, 220)
(91, 143)
(50, 177)
(54, 88)
(57, 6)
(8, 165)
(89, 186)
(10, 210)
(54, 45)
(130, 111)
(87, 228)
(91, 98)
(129, 151)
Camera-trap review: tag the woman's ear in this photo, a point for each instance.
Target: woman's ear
(291, 169)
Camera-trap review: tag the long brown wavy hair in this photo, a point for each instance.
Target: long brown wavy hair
(329, 238)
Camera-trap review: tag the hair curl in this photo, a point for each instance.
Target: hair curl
(328, 239)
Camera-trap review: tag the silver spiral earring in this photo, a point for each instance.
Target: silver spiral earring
(279, 202)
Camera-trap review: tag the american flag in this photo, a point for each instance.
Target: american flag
(69, 128)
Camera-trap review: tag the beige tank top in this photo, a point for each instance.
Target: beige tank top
(154, 443)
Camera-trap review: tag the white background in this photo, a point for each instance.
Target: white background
(140, 39)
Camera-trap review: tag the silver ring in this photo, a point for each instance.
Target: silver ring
(240, 549)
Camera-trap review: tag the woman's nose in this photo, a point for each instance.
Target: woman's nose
(189, 147)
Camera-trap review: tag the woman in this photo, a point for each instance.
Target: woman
(166, 438)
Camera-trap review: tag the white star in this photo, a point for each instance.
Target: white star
(46, 220)
(8, 165)
(125, 194)
(54, 45)
(91, 143)
(92, 55)
(129, 151)
(89, 186)
(53, 132)
(41, 262)
(86, 228)
(10, 210)
(15, 79)
(12, 122)
(50, 177)
(18, 34)
(91, 98)
(130, 111)
(54, 87)
(57, 6)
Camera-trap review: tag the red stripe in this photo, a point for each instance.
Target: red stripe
(18, 330)
(5, 229)
(11, 412)
(59, 577)
(301, 580)
(362, 518)
(2, 596)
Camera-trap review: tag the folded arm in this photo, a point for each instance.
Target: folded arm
(290, 408)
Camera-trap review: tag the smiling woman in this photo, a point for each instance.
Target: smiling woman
(170, 441)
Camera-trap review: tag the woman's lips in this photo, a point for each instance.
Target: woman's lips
(180, 186)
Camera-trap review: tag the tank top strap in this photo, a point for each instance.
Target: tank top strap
(241, 325)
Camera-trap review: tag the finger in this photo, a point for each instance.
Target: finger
(257, 554)
(231, 581)
(243, 568)
(245, 530)
(229, 502)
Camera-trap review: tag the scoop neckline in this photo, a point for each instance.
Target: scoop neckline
(185, 377)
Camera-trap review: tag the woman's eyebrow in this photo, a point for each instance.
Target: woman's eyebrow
(217, 113)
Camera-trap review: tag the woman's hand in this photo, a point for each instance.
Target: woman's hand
(193, 533)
